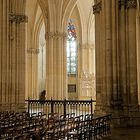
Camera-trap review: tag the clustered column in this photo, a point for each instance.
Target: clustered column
(12, 50)
(131, 52)
(128, 57)
(32, 54)
(116, 59)
(56, 65)
(98, 58)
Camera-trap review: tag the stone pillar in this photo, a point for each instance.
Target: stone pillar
(108, 41)
(87, 86)
(17, 34)
(84, 57)
(49, 65)
(61, 66)
(131, 52)
(138, 50)
(97, 7)
(1, 52)
(91, 59)
(116, 59)
(87, 58)
(56, 65)
(87, 76)
(116, 97)
(122, 52)
(4, 53)
(12, 44)
(32, 54)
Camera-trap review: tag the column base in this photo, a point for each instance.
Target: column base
(121, 116)
(100, 110)
(13, 107)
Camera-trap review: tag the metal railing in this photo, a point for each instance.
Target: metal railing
(61, 106)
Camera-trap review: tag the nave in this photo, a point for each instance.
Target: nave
(70, 50)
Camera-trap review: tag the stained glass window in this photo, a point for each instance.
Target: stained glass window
(71, 49)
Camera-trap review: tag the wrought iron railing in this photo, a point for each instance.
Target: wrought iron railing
(61, 106)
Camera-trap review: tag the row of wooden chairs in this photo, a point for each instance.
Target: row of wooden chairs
(21, 126)
(80, 127)
(38, 126)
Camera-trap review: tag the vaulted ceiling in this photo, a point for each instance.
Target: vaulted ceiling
(84, 6)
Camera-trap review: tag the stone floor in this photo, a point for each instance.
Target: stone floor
(124, 134)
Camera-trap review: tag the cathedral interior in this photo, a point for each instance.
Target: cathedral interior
(73, 50)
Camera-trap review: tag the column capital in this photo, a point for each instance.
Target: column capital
(55, 35)
(33, 51)
(128, 3)
(97, 7)
(131, 4)
(18, 18)
(87, 76)
(87, 46)
(121, 3)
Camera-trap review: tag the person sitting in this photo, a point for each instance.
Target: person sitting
(43, 95)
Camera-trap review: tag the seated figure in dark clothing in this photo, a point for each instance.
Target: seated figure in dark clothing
(42, 95)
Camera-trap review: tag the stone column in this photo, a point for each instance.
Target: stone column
(116, 60)
(4, 52)
(108, 41)
(56, 65)
(84, 64)
(87, 86)
(122, 52)
(65, 77)
(131, 52)
(106, 55)
(59, 57)
(32, 54)
(96, 11)
(116, 97)
(12, 46)
(29, 75)
(49, 64)
(91, 59)
(87, 75)
(0, 52)
(17, 44)
(138, 50)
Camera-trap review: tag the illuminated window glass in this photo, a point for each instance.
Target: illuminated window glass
(71, 49)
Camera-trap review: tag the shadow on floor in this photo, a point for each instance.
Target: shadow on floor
(124, 134)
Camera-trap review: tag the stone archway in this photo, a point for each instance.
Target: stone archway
(56, 54)
(87, 85)
(56, 34)
(33, 49)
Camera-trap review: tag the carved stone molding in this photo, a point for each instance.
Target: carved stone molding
(86, 76)
(87, 85)
(122, 3)
(18, 18)
(97, 7)
(131, 4)
(33, 51)
(55, 35)
(87, 46)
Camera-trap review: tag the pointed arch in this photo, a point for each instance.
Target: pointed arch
(69, 8)
(33, 29)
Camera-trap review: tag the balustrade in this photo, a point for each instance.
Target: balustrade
(61, 106)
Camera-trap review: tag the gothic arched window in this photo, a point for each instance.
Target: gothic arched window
(71, 49)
